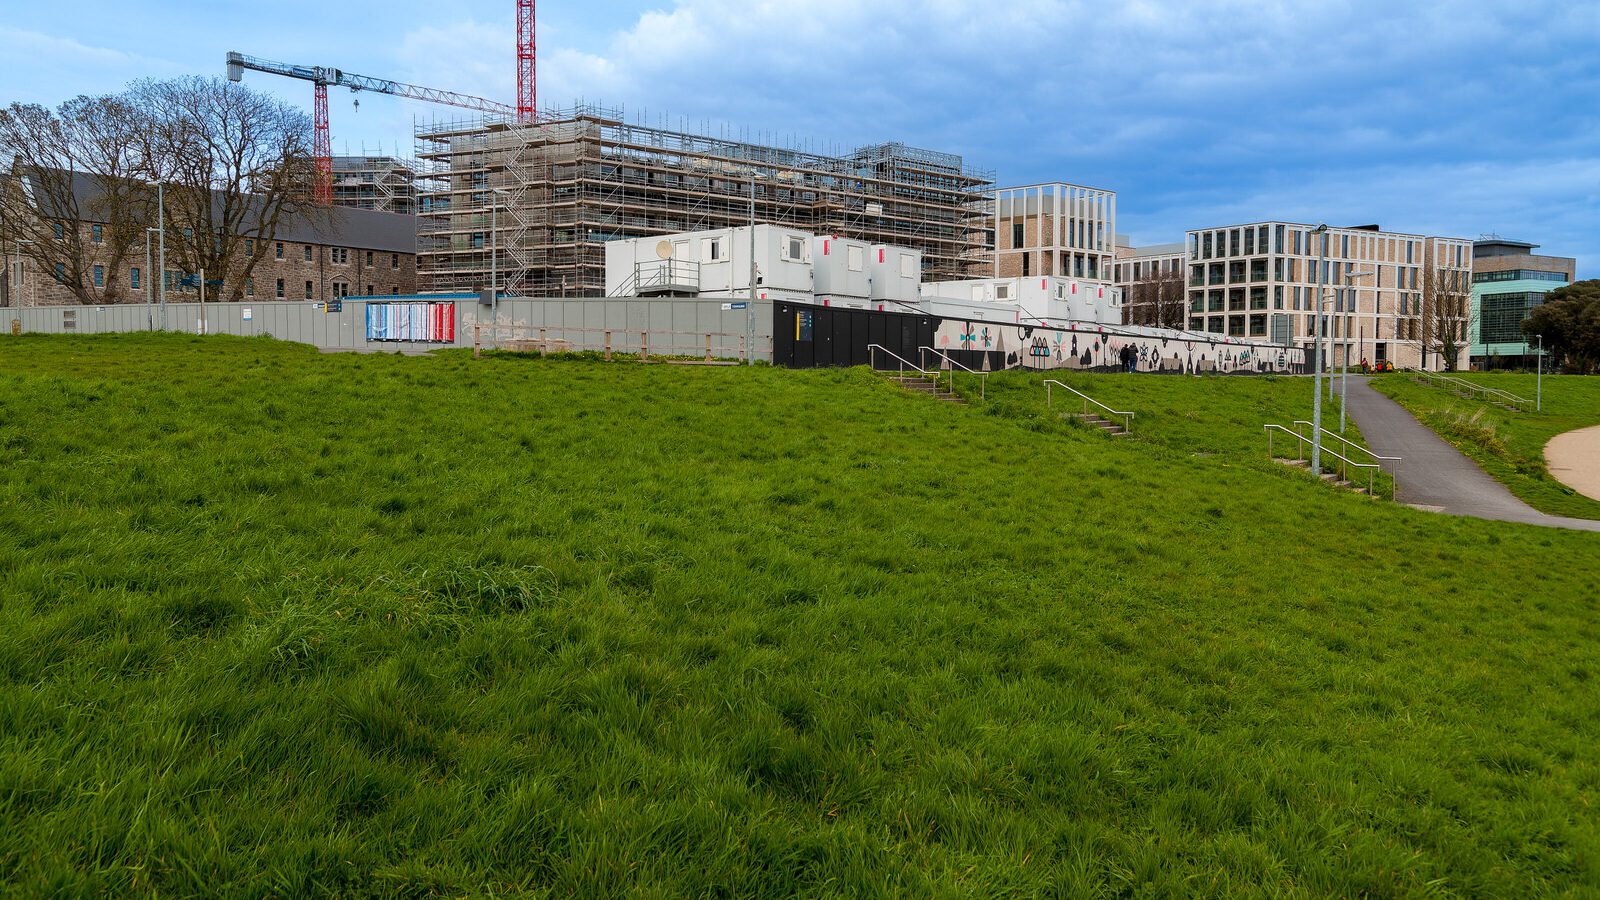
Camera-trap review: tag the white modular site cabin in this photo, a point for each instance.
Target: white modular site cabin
(895, 274)
(1038, 299)
(713, 264)
(839, 271)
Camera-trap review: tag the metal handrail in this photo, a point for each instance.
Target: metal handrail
(983, 377)
(1373, 468)
(1460, 384)
(1127, 417)
(872, 361)
(1349, 445)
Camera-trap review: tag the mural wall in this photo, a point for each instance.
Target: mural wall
(808, 336)
(988, 346)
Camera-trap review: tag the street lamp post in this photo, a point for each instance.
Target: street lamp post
(149, 309)
(1344, 373)
(494, 259)
(161, 242)
(1316, 406)
(16, 282)
(1538, 380)
(750, 306)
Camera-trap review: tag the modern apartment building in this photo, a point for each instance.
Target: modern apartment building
(1508, 281)
(1151, 279)
(1261, 281)
(1054, 229)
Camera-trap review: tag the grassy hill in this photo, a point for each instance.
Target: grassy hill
(1509, 445)
(279, 622)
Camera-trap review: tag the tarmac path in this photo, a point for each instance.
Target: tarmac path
(1434, 475)
(1574, 459)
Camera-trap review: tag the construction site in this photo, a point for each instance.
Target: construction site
(528, 206)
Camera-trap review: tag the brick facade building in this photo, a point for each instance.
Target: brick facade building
(326, 254)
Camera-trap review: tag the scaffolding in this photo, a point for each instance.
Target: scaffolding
(375, 182)
(547, 196)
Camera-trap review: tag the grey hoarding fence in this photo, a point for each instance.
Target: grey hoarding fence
(669, 324)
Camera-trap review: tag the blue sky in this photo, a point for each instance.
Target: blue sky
(1460, 119)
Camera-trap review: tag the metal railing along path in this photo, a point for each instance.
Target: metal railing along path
(983, 377)
(1470, 390)
(1302, 441)
(1351, 446)
(1127, 417)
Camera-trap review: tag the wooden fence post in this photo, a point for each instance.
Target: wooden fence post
(477, 346)
(608, 346)
(644, 346)
(708, 348)
(543, 347)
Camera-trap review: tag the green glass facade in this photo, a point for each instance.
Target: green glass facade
(1500, 304)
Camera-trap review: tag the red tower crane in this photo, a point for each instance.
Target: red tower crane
(322, 77)
(527, 63)
(527, 109)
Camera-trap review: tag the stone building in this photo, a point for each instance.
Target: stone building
(321, 255)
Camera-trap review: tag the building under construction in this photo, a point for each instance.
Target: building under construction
(375, 182)
(530, 206)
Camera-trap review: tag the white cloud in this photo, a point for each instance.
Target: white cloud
(1344, 106)
(1555, 203)
(57, 68)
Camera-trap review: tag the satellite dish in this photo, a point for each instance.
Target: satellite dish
(664, 250)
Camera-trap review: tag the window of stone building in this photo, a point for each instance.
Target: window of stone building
(1016, 234)
(308, 252)
(394, 260)
(280, 288)
(133, 278)
(96, 234)
(278, 251)
(99, 276)
(310, 289)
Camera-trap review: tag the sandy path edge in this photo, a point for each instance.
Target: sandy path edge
(1573, 459)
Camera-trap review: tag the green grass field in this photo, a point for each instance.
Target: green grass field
(275, 622)
(1183, 416)
(1509, 445)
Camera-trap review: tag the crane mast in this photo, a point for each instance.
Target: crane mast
(527, 62)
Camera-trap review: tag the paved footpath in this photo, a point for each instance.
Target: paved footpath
(1433, 474)
(1574, 459)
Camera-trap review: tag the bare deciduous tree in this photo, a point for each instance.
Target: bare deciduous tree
(1157, 299)
(1445, 301)
(75, 165)
(233, 161)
